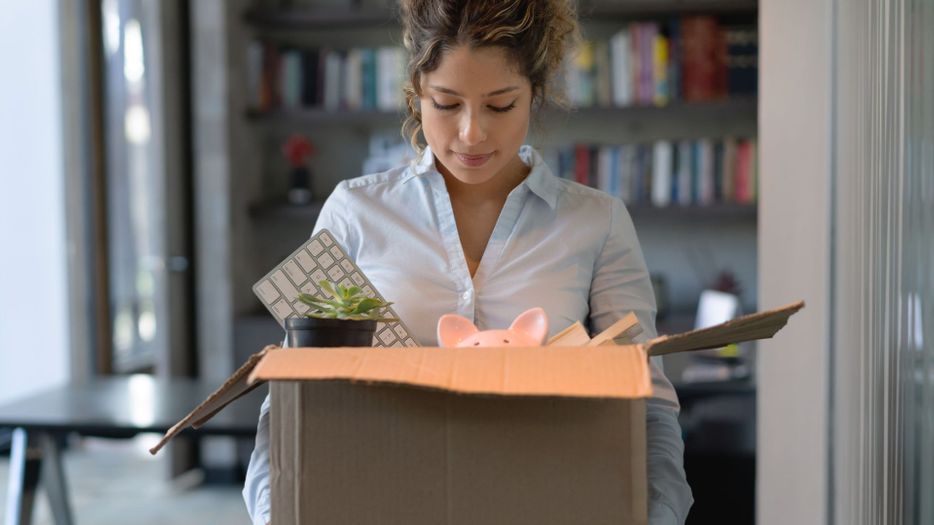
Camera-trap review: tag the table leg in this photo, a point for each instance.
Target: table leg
(53, 480)
(25, 462)
(35, 457)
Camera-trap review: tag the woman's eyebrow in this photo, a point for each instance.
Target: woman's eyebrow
(490, 94)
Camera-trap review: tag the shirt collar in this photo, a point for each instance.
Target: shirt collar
(540, 180)
(421, 165)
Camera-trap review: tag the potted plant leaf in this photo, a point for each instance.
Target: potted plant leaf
(346, 317)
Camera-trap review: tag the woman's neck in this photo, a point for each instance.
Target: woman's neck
(496, 189)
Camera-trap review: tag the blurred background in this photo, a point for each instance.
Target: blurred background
(159, 157)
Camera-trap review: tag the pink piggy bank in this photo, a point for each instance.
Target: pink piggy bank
(529, 329)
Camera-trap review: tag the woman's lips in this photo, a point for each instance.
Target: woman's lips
(473, 161)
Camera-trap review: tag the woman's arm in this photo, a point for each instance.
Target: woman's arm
(621, 284)
(256, 486)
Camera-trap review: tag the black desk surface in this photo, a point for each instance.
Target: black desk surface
(122, 406)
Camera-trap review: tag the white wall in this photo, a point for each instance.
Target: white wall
(33, 290)
(795, 124)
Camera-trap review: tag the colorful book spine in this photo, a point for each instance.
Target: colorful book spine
(622, 70)
(662, 163)
(701, 63)
(660, 69)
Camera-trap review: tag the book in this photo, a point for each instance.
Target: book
(742, 185)
(621, 68)
(369, 79)
(269, 88)
(674, 59)
(582, 164)
(574, 335)
(291, 79)
(661, 173)
(660, 56)
(742, 63)
(728, 173)
(332, 80)
(685, 165)
(622, 332)
(310, 92)
(700, 66)
(353, 80)
(603, 84)
(390, 69)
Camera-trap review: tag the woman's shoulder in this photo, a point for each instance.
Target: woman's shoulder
(565, 192)
(576, 194)
(375, 181)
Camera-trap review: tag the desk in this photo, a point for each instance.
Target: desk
(719, 425)
(114, 407)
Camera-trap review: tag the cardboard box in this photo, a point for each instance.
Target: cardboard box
(463, 435)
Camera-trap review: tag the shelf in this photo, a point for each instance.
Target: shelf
(286, 211)
(712, 213)
(715, 109)
(296, 19)
(639, 213)
(322, 116)
(726, 107)
(604, 9)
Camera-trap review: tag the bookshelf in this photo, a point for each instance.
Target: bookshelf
(239, 163)
(714, 109)
(342, 134)
(332, 18)
(640, 213)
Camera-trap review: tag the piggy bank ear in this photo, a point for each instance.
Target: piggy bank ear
(453, 328)
(533, 323)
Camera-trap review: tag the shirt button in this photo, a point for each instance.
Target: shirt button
(466, 295)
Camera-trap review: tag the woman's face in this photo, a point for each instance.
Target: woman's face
(475, 113)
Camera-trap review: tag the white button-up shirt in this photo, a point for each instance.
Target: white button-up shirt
(565, 247)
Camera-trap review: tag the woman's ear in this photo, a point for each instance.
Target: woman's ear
(533, 323)
(453, 329)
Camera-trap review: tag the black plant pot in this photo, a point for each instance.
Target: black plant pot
(303, 332)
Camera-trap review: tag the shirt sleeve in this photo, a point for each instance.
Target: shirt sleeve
(333, 217)
(256, 486)
(621, 284)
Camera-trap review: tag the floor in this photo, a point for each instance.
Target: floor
(118, 482)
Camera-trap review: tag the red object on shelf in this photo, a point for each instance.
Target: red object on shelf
(297, 149)
(703, 54)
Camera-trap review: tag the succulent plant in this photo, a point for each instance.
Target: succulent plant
(348, 303)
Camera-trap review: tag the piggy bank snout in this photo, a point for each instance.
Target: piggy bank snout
(499, 338)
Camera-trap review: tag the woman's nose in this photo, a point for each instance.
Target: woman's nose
(473, 129)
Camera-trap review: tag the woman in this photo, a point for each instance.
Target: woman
(479, 226)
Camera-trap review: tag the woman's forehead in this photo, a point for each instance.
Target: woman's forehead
(467, 71)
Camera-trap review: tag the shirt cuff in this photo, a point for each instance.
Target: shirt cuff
(661, 514)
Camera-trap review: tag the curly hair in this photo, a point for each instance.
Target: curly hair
(536, 35)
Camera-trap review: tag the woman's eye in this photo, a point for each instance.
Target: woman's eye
(443, 108)
(502, 109)
(449, 107)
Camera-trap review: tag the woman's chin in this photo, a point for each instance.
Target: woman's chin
(472, 176)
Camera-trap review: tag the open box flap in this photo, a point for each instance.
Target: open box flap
(235, 386)
(599, 372)
(761, 325)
